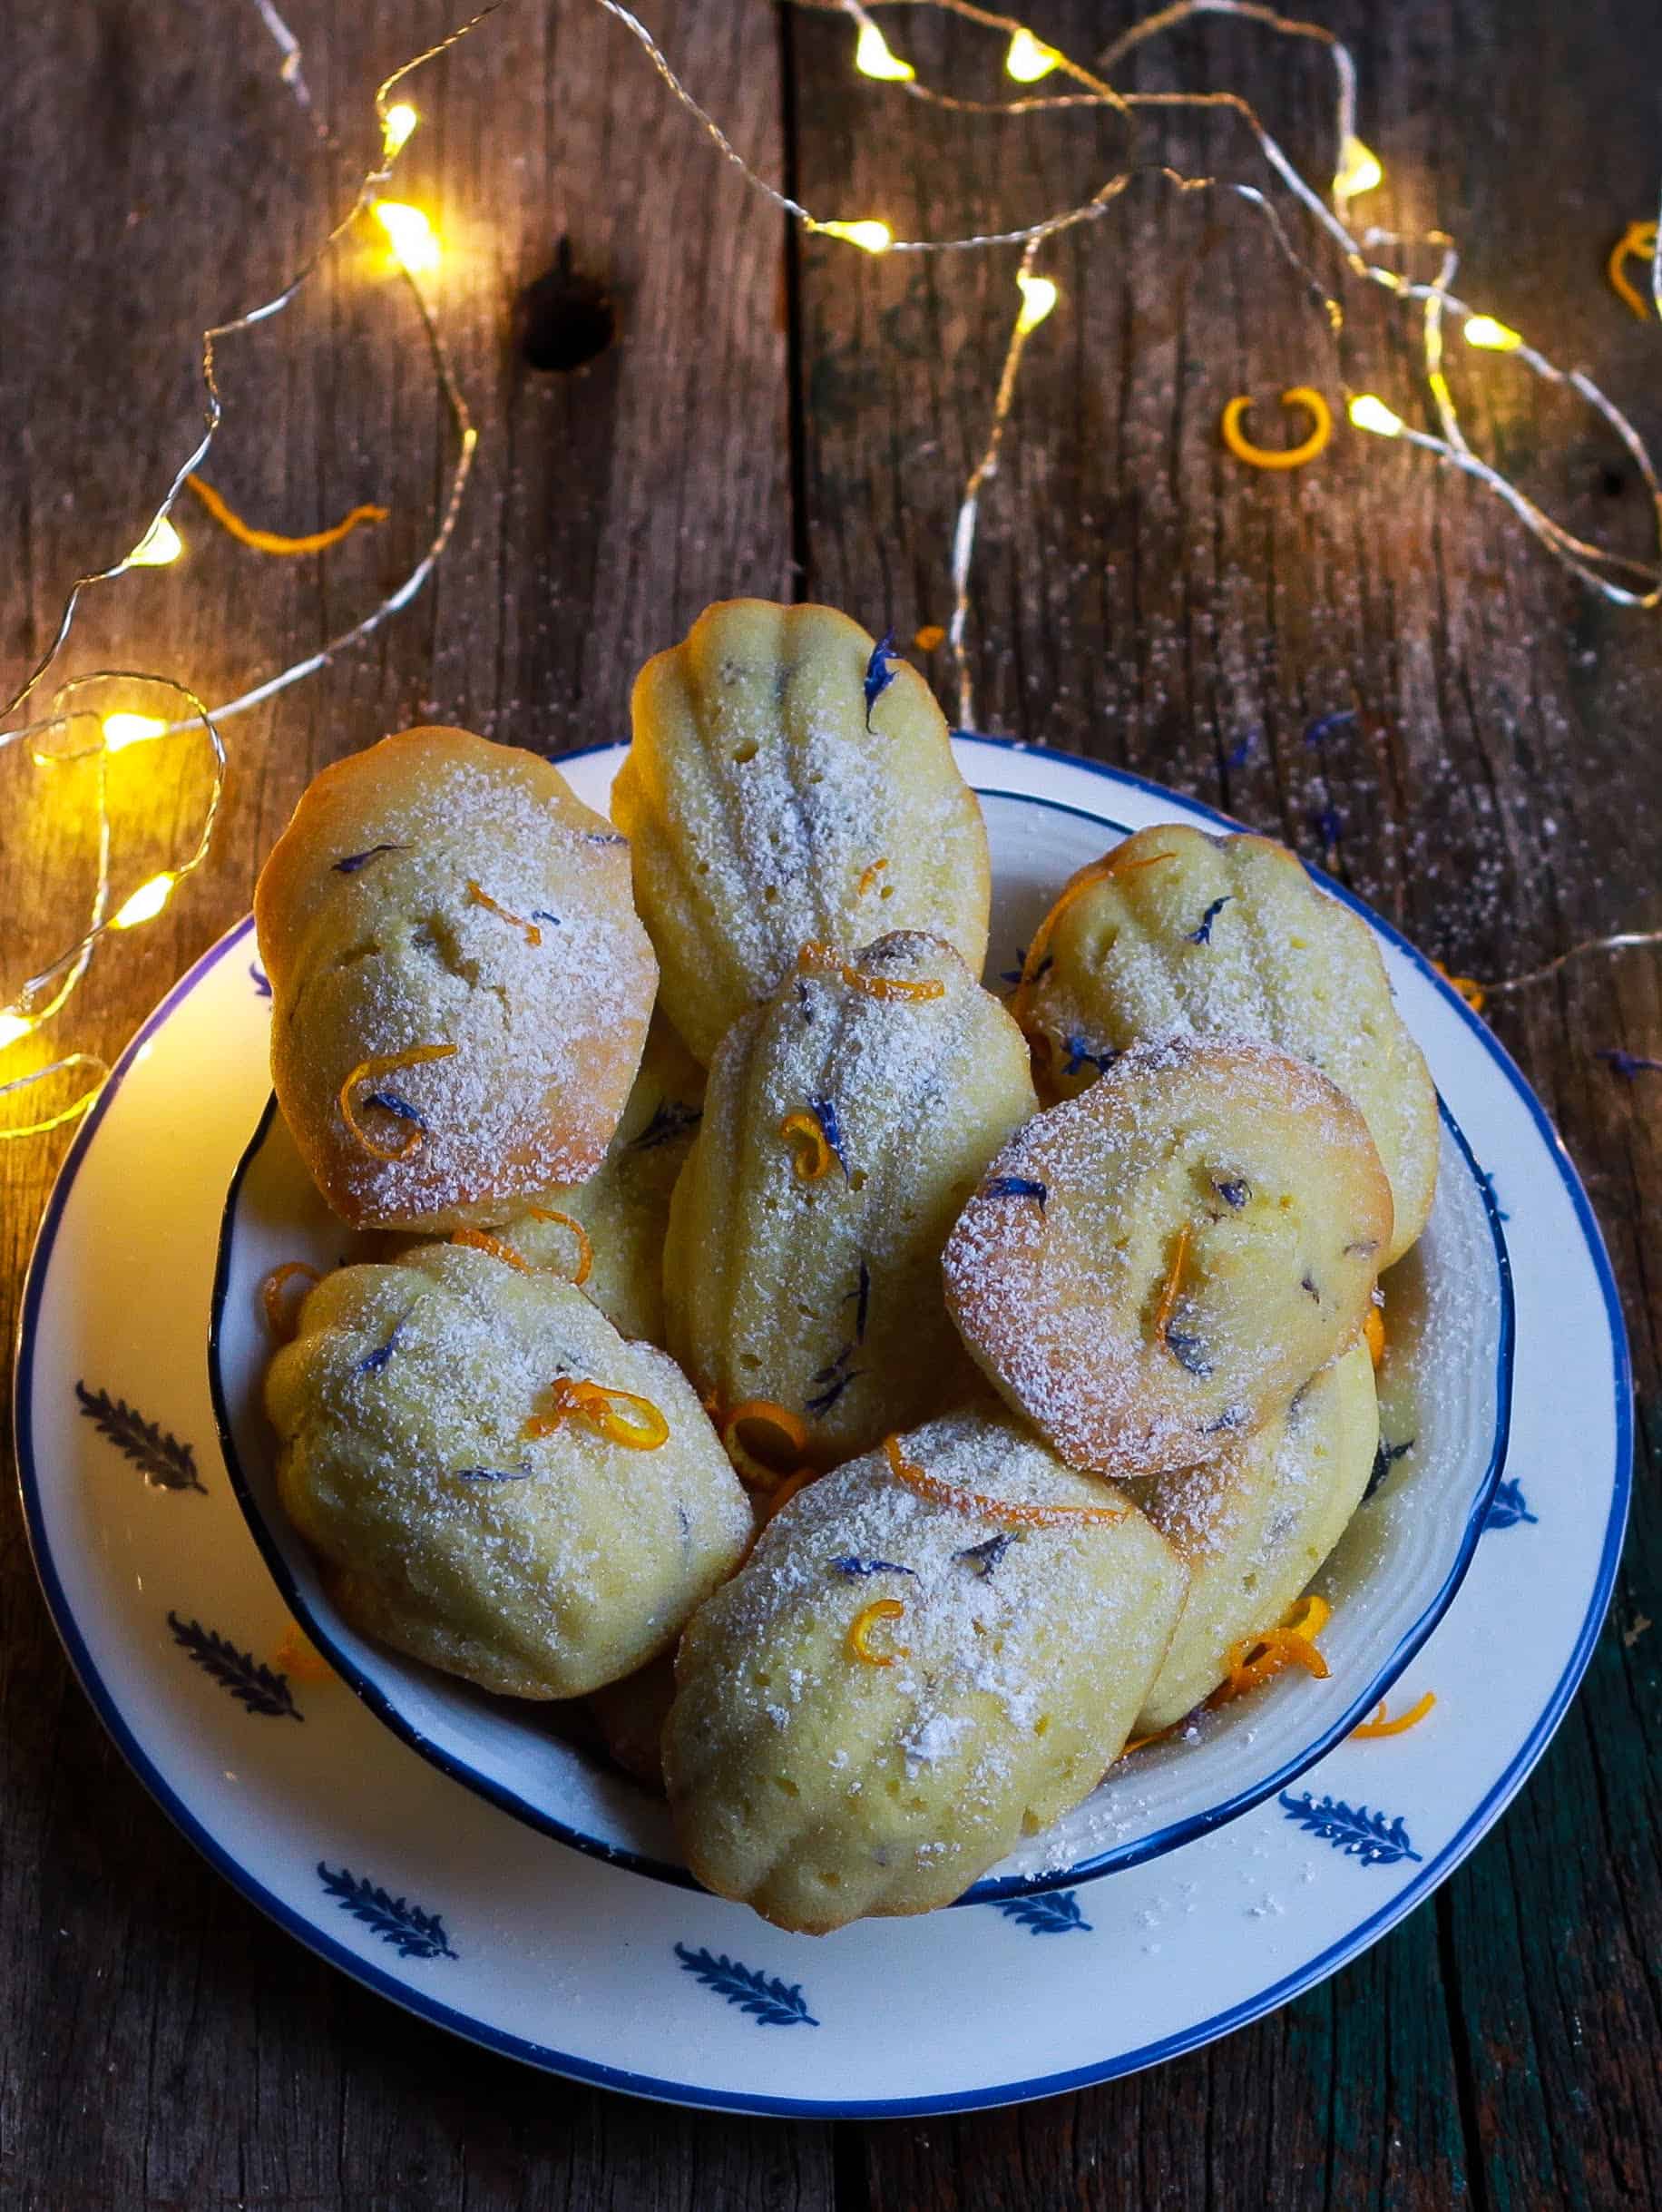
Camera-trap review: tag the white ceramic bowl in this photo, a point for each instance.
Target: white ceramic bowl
(1447, 1399)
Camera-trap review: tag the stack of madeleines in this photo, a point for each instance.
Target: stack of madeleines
(877, 1449)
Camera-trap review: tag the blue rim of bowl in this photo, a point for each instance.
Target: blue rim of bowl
(1435, 1869)
(1135, 1851)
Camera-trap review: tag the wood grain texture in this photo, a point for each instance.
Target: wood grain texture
(795, 420)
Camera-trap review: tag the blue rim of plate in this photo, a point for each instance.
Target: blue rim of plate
(1116, 1857)
(367, 1972)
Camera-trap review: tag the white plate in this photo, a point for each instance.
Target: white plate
(413, 1882)
(1444, 1411)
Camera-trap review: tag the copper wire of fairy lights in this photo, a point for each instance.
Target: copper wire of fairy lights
(1621, 580)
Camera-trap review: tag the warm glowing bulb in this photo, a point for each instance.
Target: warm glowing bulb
(1493, 336)
(872, 58)
(395, 130)
(120, 730)
(146, 902)
(160, 545)
(1369, 413)
(869, 237)
(1359, 170)
(410, 235)
(13, 1027)
(1037, 297)
(1028, 60)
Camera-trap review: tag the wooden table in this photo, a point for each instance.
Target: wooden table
(796, 421)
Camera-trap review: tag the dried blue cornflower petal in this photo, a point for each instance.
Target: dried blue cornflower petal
(879, 673)
(1233, 1189)
(373, 1362)
(1232, 1417)
(1327, 822)
(862, 1295)
(824, 1111)
(836, 1377)
(1203, 936)
(491, 1474)
(983, 1558)
(1384, 1459)
(1080, 1056)
(1187, 1351)
(670, 1119)
(541, 914)
(1014, 975)
(1323, 728)
(1307, 1285)
(852, 1567)
(1628, 1064)
(1240, 752)
(390, 1103)
(354, 861)
(1016, 1187)
(605, 836)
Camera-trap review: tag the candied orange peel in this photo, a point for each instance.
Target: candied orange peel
(482, 897)
(818, 958)
(1010, 1513)
(1259, 1658)
(482, 1240)
(1374, 1335)
(619, 1416)
(1276, 457)
(765, 1413)
(1639, 241)
(280, 1323)
(860, 1629)
(585, 1249)
(1173, 1288)
(813, 1157)
(274, 541)
(371, 1071)
(1379, 1726)
(868, 876)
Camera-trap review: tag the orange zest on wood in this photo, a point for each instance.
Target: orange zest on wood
(1277, 457)
(1173, 1287)
(868, 876)
(813, 1155)
(585, 1249)
(482, 1240)
(271, 541)
(1374, 1335)
(1012, 1512)
(1639, 240)
(482, 897)
(281, 1324)
(1259, 1658)
(929, 637)
(370, 1071)
(817, 959)
(1380, 1725)
(619, 1416)
(1469, 988)
(860, 1629)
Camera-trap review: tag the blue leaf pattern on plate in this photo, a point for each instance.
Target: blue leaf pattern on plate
(258, 1688)
(168, 1465)
(1352, 1830)
(1054, 1912)
(770, 2002)
(415, 1933)
(1508, 1507)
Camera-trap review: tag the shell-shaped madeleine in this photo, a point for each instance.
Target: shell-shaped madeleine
(1179, 932)
(931, 1655)
(846, 1122)
(787, 781)
(1255, 1526)
(1154, 1267)
(460, 985)
(623, 1208)
(497, 1483)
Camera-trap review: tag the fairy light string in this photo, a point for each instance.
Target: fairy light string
(1028, 62)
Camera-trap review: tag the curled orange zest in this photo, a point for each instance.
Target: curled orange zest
(482, 1240)
(619, 1416)
(1099, 871)
(269, 541)
(271, 1291)
(813, 1158)
(1012, 1512)
(754, 1472)
(1174, 1284)
(482, 897)
(817, 958)
(1276, 457)
(930, 636)
(1469, 988)
(368, 1070)
(585, 1251)
(1639, 240)
(1380, 1725)
(860, 1628)
(298, 1657)
(1374, 1335)
(869, 876)
(1259, 1658)
(1141, 1742)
